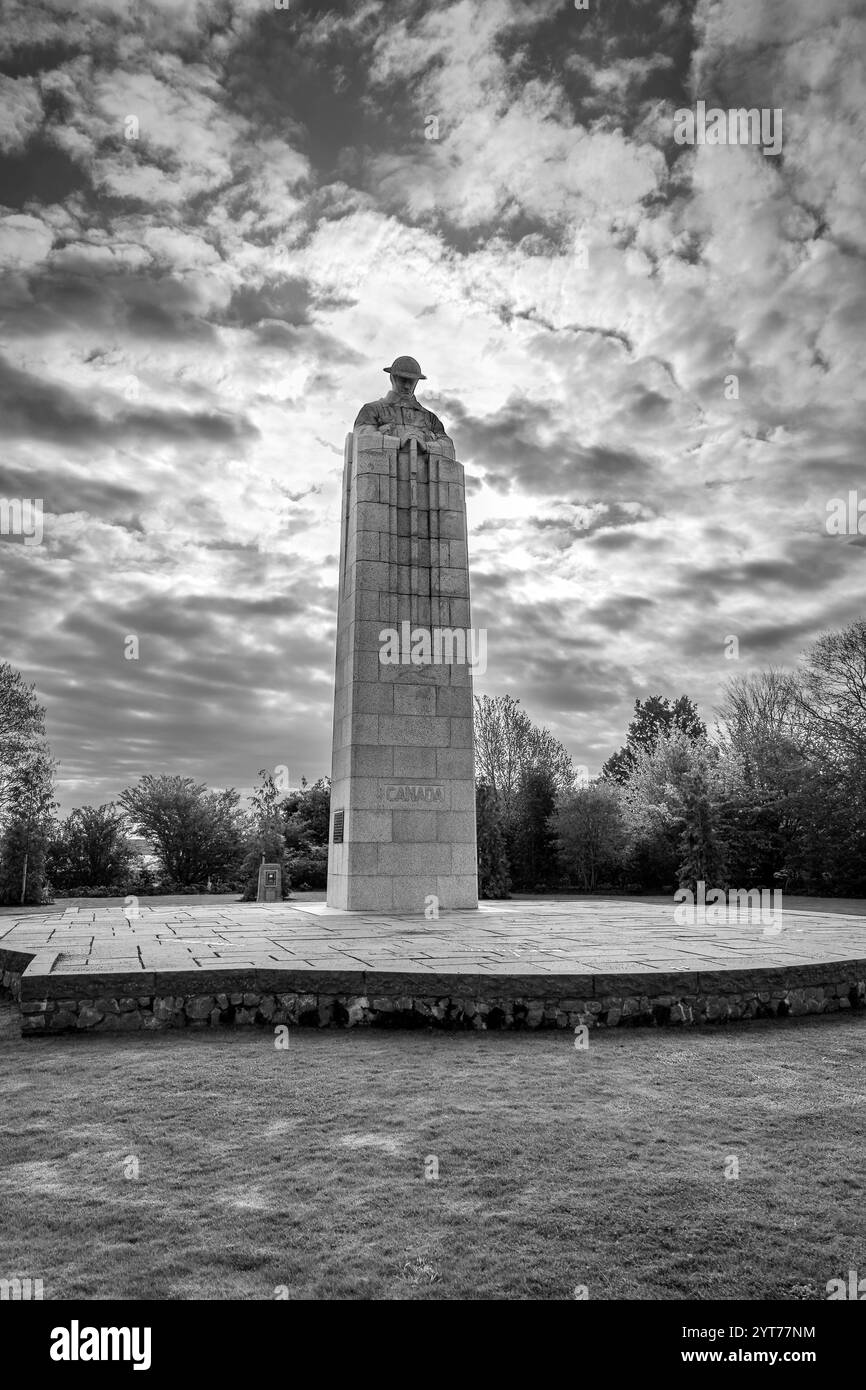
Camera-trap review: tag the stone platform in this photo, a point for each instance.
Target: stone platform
(548, 963)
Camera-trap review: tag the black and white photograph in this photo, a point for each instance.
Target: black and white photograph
(432, 672)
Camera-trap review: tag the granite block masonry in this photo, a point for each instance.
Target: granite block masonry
(402, 779)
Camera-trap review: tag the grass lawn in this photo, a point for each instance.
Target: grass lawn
(306, 1167)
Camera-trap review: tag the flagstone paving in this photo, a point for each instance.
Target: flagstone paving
(545, 938)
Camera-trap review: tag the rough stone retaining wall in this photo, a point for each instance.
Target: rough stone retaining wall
(102, 1014)
(11, 981)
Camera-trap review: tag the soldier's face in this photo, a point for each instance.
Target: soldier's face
(404, 384)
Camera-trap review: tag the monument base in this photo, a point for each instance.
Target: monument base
(381, 893)
(580, 964)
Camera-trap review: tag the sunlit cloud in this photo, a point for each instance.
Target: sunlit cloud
(219, 223)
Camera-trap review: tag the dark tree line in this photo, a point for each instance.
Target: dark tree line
(774, 796)
(201, 840)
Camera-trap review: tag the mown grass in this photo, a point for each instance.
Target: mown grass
(305, 1168)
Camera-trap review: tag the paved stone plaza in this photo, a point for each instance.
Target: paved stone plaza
(541, 964)
(546, 937)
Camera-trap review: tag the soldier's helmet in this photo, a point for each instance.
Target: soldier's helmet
(405, 366)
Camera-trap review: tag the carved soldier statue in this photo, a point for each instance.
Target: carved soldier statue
(401, 416)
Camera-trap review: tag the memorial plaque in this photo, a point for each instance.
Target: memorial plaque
(270, 883)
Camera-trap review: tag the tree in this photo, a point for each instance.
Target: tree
(701, 856)
(763, 747)
(831, 844)
(22, 729)
(266, 841)
(26, 790)
(530, 840)
(508, 745)
(760, 709)
(828, 856)
(591, 834)
(30, 805)
(833, 694)
(795, 745)
(493, 878)
(90, 848)
(652, 718)
(671, 799)
(307, 828)
(307, 813)
(196, 833)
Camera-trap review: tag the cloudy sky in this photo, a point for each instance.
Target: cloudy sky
(219, 221)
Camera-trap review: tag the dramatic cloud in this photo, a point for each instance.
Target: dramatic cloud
(219, 222)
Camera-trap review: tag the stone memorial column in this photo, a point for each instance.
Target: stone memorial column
(402, 790)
